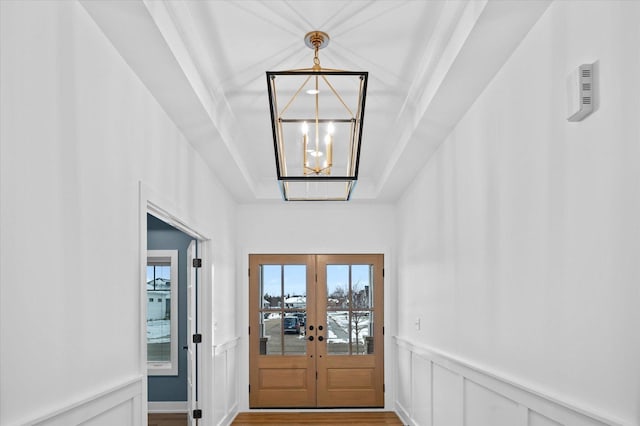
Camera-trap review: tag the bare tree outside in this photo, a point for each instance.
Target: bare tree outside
(356, 303)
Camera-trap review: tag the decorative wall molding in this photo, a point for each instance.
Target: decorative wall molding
(436, 388)
(225, 379)
(223, 347)
(118, 405)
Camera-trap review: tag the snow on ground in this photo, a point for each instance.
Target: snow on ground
(342, 319)
(159, 331)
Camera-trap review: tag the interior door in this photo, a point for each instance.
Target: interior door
(192, 280)
(313, 324)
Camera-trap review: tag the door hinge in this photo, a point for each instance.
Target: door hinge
(383, 330)
(249, 272)
(249, 330)
(197, 262)
(197, 338)
(197, 414)
(382, 272)
(384, 388)
(249, 388)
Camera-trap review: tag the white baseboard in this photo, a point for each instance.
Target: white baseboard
(167, 407)
(229, 416)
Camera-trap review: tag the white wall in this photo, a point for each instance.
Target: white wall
(78, 132)
(313, 228)
(518, 242)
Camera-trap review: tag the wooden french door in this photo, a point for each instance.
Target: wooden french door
(316, 331)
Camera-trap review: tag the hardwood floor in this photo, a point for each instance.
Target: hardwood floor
(310, 419)
(167, 419)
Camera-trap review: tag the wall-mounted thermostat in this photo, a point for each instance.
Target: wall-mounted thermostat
(580, 91)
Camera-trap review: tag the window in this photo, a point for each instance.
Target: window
(162, 318)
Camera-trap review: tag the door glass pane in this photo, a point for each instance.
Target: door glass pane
(361, 287)
(337, 335)
(294, 337)
(295, 309)
(361, 332)
(159, 312)
(271, 286)
(270, 333)
(337, 286)
(295, 286)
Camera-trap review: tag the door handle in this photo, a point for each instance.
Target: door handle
(320, 327)
(320, 338)
(310, 328)
(311, 338)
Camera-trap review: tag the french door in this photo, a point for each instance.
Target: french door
(316, 331)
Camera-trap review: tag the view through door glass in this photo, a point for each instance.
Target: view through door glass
(349, 309)
(283, 312)
(313, 323)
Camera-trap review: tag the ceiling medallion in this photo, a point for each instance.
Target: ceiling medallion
(316, 118)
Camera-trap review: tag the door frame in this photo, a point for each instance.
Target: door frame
(153, 202)
(390, 355)
(316, 307)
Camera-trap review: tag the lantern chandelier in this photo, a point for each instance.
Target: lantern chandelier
(316, 118)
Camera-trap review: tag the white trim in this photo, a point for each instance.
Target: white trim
(154, 202)
(225, 360)
(167, 368)
(228, 418)
(229, 344)
(390, 296)
(168, 407)
(93, 406)
(533, 399)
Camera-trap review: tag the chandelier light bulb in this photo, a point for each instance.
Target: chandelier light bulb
(305, 128)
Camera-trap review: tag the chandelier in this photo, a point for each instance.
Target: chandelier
(316, 118)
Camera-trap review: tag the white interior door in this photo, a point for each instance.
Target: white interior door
(192, 279)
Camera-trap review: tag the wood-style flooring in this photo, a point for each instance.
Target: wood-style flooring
(292, 418)
(320, 418)
(162, 419)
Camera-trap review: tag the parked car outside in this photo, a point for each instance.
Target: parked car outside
(291, 325)
(302, 318)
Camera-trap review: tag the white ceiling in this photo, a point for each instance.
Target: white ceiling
(205, 62)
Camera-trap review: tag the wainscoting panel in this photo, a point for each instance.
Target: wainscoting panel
(484, 407)
(120, 406)
(403, 403)
(118, 415)
(435, 389)
(537, 419)
(447, 397)
(232, 382)
(421, 401)
(225, 378)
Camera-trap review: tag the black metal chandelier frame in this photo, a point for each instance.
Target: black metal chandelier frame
(355, 123)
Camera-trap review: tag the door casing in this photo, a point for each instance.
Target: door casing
(316, 379)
